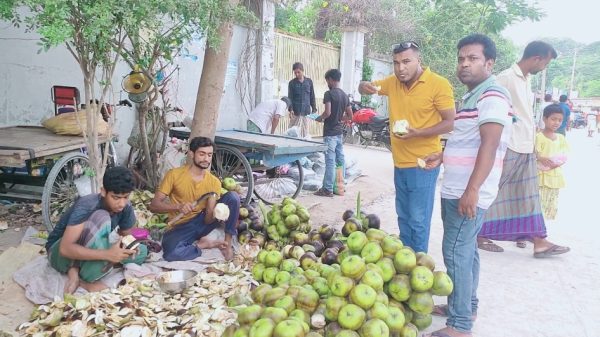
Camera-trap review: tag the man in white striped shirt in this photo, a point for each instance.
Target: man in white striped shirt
(472, 167)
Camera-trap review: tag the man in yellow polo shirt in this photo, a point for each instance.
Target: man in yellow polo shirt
(178, 191)
(426, 100)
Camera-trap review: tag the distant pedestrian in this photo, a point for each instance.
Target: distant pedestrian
(567, 114)
(516, 214)
(551, 149)
(264, 118)
(337, 108)
(302, 93)
(540, 114)
(592, 125)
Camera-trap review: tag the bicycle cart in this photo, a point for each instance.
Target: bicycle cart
(267, 166)
(36, 164)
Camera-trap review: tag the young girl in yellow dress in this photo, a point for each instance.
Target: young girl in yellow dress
(551, 149)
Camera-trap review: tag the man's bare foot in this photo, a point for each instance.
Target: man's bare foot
(205, 243)
(227, 253)
(448, 332)
(93, 287)
(72, 280)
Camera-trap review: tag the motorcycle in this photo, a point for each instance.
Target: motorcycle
(366, 127)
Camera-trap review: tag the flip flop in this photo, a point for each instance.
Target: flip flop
(553, 250)
(442, 311)
(437, 334)
(490, 246)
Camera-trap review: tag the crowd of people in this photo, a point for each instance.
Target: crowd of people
(501, 179)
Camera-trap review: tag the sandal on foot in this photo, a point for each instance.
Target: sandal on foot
(490, 246)
(553, 250)
(324, 193)
(442, 310)
(439, 333)
(521, 244)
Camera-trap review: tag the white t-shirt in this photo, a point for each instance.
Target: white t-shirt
(519, 87)
(263, 114)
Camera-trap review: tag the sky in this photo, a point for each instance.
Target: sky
(577, 19)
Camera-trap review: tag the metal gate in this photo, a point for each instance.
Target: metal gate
(316, 56)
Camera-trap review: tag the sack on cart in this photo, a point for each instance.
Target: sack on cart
(73, 124)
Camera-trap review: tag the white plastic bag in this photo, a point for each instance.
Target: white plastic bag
(173, 157)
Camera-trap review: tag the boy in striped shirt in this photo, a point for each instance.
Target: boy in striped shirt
(472, 167)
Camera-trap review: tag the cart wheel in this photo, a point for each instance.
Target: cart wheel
(65, 183)
(227, 161)
(279, 182)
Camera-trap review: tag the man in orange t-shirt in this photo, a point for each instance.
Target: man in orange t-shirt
(426, 101)
(178, 191)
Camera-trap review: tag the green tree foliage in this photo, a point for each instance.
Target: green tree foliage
(442, 23)
(587, 67)
(436, 25)
(100, 33)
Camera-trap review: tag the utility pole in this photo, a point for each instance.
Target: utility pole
(572, 73)
(537, 114)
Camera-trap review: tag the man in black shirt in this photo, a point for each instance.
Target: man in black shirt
(337, 108)
(302, 93)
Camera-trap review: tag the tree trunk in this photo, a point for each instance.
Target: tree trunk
(322, 25)
(212, 82)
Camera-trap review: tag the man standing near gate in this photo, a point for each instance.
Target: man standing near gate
(426, 100)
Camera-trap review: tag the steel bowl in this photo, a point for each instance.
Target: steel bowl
(176, 281)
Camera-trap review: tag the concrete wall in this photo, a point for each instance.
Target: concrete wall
(381, 69)
(27, 77)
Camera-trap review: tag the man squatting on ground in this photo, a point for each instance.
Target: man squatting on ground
(86, 241)
(180, 189)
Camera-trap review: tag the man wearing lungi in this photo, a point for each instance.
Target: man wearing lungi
(516, 214)
(86, 241)
(179, 192)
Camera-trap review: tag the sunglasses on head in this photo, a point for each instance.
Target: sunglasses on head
(400, 47)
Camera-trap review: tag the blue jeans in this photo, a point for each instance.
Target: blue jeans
(461, 258)
(415, 190)
(178, 243)
(334, 155)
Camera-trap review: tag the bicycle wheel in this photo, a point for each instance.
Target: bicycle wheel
(387, 141)
(277, 183)
(112, 159)
(347, 133)
(66, 181)
(228, 161)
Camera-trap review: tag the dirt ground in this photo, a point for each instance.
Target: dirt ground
(520, 296)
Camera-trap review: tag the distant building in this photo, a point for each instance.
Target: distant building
(585, 104)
